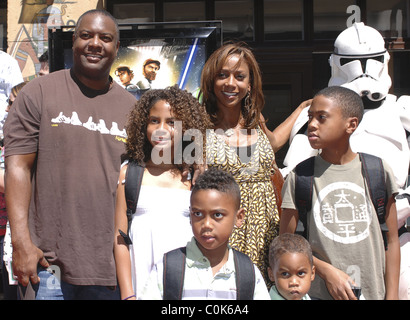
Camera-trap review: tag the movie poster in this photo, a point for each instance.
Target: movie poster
(157, 63)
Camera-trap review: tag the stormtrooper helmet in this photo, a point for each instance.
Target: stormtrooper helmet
(360, 62)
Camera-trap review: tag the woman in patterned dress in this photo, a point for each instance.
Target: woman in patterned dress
(240, 143)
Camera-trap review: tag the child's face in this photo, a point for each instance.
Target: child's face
(213, 216)
(327, 127)
(292, 275)
(160, 128)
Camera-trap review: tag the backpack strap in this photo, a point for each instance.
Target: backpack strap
(174, 273)
(303, 192)
(373, 172)
(245, 276)
(133, 178)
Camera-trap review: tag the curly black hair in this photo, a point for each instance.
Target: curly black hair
(220, 180)
(289, 243)
(184, 107)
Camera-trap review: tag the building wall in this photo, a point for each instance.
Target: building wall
(27, 27)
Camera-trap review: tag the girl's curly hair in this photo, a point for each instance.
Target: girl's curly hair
(184, 107)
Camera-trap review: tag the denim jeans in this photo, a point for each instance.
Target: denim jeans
(51, 287)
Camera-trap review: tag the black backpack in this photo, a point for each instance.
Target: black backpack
(133, 178)
(373, 172)
(174, 272)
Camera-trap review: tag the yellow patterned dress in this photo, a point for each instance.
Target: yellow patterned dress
(261, 221)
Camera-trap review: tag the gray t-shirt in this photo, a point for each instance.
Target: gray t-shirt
(343, 228)
(78, 134)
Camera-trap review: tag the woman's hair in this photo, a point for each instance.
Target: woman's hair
(289, 243)
(184, 107)
(212, 68)
(16, 89)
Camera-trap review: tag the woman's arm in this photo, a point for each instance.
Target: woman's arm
(121, 251)
(280, 135)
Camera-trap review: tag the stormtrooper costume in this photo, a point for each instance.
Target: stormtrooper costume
(360, 62)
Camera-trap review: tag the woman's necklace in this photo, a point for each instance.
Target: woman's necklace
(228, 129)
(229, 132)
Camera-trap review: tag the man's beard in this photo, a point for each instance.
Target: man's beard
(150, 76)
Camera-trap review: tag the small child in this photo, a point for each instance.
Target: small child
(342, 225)
(290, 267)
(211, 271)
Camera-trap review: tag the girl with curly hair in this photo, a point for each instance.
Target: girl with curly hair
(156, 132)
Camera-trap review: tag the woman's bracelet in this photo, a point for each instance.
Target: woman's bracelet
(132, 296)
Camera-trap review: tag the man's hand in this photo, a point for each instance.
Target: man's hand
(25, 261)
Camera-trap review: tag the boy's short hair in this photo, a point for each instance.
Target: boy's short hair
(289, 243)
(349, 101)
(217, 179)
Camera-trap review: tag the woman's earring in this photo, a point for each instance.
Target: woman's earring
(248, 102)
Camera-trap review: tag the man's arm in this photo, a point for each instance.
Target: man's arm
(26, 255)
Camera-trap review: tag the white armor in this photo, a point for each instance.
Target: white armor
(360, 63)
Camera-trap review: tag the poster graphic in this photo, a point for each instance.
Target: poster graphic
(158, 63)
